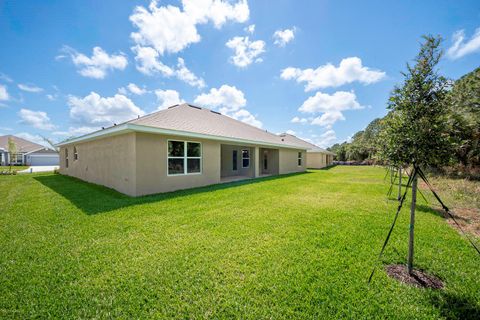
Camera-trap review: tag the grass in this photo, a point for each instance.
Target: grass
(298, 246)
(14, 168)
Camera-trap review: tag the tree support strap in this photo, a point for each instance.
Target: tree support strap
(424, 178)
(400, 204)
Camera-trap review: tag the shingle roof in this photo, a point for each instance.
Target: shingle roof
(198, 120)
(22, 144)
(293, 140)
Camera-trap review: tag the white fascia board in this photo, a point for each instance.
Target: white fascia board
(129, 127)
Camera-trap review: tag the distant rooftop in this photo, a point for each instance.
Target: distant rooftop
(21, 144)
(296, 141)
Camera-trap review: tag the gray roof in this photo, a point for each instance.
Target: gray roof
(296, 141)
(188, 120)
(23, 146)
(199, 120)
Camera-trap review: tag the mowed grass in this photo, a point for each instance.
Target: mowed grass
(297, 246)
(13, 168)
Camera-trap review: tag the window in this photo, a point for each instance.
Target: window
(299, 159)
(184, 157)
(245, 158)
(75, 153)
(265, 160)
(234, 159)
(66, 157)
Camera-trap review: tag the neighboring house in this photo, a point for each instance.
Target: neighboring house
(28, 153)
(317, 157)
(181, 147)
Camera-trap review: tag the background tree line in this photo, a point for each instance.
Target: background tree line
(460, 129)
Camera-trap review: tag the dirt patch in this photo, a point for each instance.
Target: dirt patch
(467, 218)
(418, 279)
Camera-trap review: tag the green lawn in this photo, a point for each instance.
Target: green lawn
(298, 246)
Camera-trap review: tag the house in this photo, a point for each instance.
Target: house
(317, 157)
(28, 153)
(182, 147)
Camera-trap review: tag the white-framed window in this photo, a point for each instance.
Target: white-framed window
(66, 157)
(245, 158)
(184, 157)
(75, 153)
(300, 158)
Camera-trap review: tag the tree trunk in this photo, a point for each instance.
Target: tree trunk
(399, 183)
(412, 221)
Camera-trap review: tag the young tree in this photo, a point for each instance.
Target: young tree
(12, 151)
(415, 132)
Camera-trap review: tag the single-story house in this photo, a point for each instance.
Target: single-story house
(28, 153)
(181, 147)
(317, 157)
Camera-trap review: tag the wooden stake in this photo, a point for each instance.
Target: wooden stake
(399, 183)
(412, 222)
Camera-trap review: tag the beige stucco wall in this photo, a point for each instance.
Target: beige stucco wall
(151, 169)
(316, 160)
(136, 163)
(288, 161)
(227, 161)
(108, 161)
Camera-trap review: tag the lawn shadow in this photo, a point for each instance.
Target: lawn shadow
(93, 199)
(452, 306)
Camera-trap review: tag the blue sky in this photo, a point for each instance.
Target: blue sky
(319, 69)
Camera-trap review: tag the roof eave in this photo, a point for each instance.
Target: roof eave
(129, 127)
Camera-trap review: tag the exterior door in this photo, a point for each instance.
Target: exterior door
(265, 160)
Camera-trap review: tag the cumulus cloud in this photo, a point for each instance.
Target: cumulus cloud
(299, 120)
(171, 29)
(460, 47)
(133, 88)
(328, 119)
(4, 96)
(148, 63)
(36, 119)
(246, 51)
(184, 74)
(349, 70)
(75, 131)
(230, 101)
(168, 98)
(250, 29)
(282, 37)
(290, 132)
(331, 107)
(95, 111)
(98, 65)
(29, 88)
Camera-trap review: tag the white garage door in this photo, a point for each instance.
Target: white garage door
(42, 160)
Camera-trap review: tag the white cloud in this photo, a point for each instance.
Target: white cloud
(298, 120)
(51, 97)
(331, 107)
(326, 139)
(328, 119)
(250, 29)
(246, 51)
(33, 138)
(171, 29)
(5, 77)
(460, 47)
(324, 102)
(290, 132)
(230, 101)
(168, 98)
(36, 119)
(282, 37)
(29, 88)
(148, 62)
(98, 64)
(136, 89)
(75, 131)
(94, 110)
(3, 93)
(184, 74)
(349, 70)
(226, 97)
